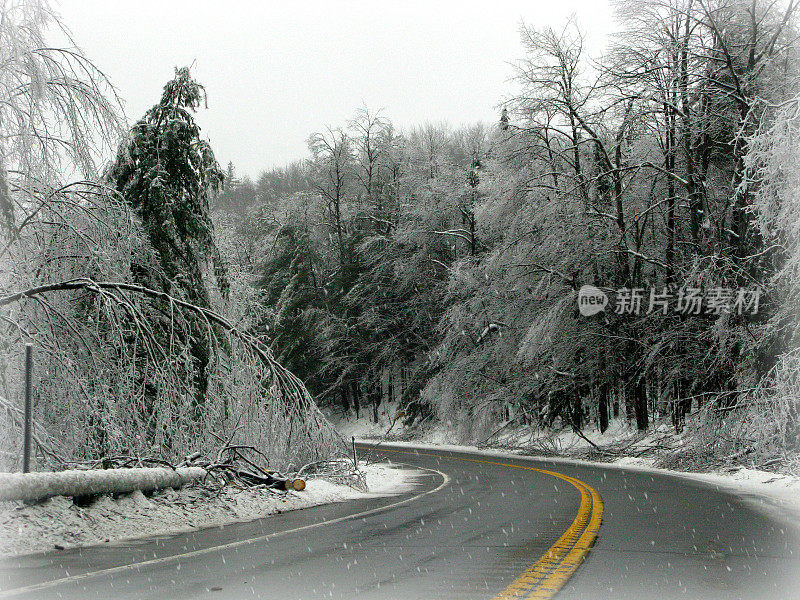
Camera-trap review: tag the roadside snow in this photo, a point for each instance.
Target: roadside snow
(360, 428)
(383, 480)
(59, 523)
(556, 441)
(773, 493)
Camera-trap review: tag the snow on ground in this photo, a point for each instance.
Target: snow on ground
(773, 493)
(383, 480)
(555, 441)
(566, 440)
(361, 428)
(58, 522)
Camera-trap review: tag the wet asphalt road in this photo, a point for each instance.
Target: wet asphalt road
(465, 532)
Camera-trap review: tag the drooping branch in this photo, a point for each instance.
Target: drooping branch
(283, 378)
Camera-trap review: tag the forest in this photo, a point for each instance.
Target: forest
(438, 267)
(173, 305)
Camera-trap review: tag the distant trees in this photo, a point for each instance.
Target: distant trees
(355, 262)
(332, 161)
(457, 254)
(373, 171)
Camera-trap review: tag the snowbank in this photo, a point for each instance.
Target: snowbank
(59, 523)
(773, 493)
(383, 480)
(553, 441)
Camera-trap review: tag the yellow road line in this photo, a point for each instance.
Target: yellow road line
(544, 578)
(539, 577)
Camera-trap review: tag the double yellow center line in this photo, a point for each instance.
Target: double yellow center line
(544, 578)
(547, 575)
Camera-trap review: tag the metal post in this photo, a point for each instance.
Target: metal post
(26, 451)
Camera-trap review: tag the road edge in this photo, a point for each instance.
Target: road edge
(782, 505)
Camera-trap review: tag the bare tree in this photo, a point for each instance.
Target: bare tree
(333, 160)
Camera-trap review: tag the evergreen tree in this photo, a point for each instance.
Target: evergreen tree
(168, 174)
(230, 175)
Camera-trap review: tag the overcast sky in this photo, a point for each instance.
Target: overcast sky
(277, 71)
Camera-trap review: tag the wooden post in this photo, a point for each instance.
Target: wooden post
(26, 449)
(355, 458)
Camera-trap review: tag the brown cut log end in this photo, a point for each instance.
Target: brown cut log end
(298, 485)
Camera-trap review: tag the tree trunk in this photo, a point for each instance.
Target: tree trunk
(629, 394)
(694, 200)
(669, 256)
(602, 407)
(356, 402)
(677, 407)
(376, 402)
(640, 404)
(577, 408)
(473, 246)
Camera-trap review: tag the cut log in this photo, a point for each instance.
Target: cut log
(274, 481)
(76, 483)
(298, 485)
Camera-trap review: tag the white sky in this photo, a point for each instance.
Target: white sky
(277, 71)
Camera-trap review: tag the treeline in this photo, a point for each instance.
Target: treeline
(440, 266)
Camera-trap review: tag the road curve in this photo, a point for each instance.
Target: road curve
(475, 528)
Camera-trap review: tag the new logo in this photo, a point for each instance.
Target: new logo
(591, 300)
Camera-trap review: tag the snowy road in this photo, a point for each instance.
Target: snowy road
(473, 526)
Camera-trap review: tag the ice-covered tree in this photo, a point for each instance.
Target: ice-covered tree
(168, 174)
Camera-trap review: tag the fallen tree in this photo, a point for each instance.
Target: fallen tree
(125, 474)
(79, 483)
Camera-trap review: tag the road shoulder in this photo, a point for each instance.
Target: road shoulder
(60, 524)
